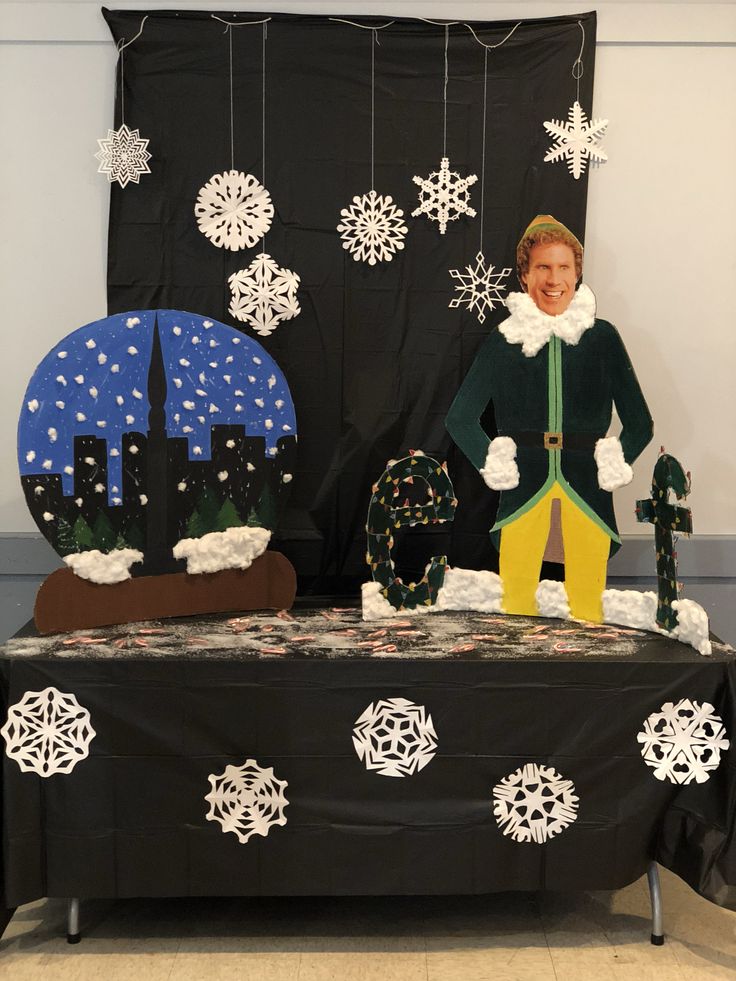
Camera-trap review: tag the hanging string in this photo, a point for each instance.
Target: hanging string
(365, 27)
(263, 106)
(491, 47)
(483, 161)
(577, 65)
(444, 95)
(375, 28)
(121, 46)
(232, 114)
(229, 24)
(373, 108)
(486, 49)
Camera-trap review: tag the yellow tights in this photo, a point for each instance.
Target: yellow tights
(586, 556)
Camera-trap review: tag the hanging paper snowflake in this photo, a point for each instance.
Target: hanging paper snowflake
(233, 210)
(372, 228)
(123, 156)
(479, 287)
(534, 803)
(576, 140)
(395, 737)
(47, 732)
(683, 742)
(264, 294)
(444, 195)
(247, 800)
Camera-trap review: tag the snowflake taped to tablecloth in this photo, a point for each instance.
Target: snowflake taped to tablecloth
(264, 294)
(372, 228)
(123, 156)
(576, 140)
(534, 803)
(444, 195)
(683, 742)
(233, 210)
(247, 800)
(395, 737)
(479, 286)
(47, 732)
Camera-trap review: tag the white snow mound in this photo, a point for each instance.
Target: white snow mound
(235, 548)
(551, 597)
(104, 567)
(692, 625)
(468, 589)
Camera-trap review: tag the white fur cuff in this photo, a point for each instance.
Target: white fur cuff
(613, 470)
(500, 471)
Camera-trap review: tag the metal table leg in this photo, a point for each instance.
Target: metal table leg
(655, 894)
(73, 935)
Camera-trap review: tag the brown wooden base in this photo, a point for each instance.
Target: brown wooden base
(67, 602)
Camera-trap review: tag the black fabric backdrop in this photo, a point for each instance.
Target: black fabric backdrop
(376, 356)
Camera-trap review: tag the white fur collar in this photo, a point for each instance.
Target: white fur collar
(532, 328)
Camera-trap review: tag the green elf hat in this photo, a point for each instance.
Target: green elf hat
(547, 223)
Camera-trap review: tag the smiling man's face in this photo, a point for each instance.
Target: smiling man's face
(550, 280)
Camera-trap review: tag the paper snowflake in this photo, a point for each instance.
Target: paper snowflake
(123, 156)
(395, 737)
(444, 195)
(233, 210)
(534, 803)
(47, 732)
(479, 287)
(247, 800)
(372, 228)
(683, 742)
(576, 140)
(264, 294)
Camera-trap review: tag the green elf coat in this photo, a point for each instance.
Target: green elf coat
(560, 375)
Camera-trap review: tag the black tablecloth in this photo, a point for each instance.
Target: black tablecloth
(492, 697)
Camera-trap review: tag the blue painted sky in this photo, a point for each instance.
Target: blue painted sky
(95, 382)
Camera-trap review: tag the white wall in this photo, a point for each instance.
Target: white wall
(660, 242)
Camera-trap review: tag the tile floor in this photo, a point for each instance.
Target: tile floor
(595, 936)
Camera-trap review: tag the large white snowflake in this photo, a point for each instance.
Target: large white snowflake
(233, 210)
(47, 732)
(372, 228)
(395, 737)
(444, 195)
(123, 156)
(683, 742)
(479, 286)
(534, 803)
(247, 800)
(264, 294)
(576, 140)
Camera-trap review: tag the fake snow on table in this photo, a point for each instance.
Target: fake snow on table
(47, 732)
(123, 156)
(264, 294)
(576, 140)
(444, 195)
(234, 210)
(372, 228)
(395, 736)
(479, 286)
(534, 803)
(247, 800)
(682, 742)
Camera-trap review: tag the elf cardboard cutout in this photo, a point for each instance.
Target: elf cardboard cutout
(553, 372)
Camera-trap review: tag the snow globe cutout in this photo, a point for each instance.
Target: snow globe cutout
(156, 451)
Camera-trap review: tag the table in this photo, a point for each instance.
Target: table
(267, 755)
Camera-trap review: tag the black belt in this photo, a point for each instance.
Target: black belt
(555, 441)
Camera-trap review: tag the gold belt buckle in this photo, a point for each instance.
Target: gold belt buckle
(553, 441)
